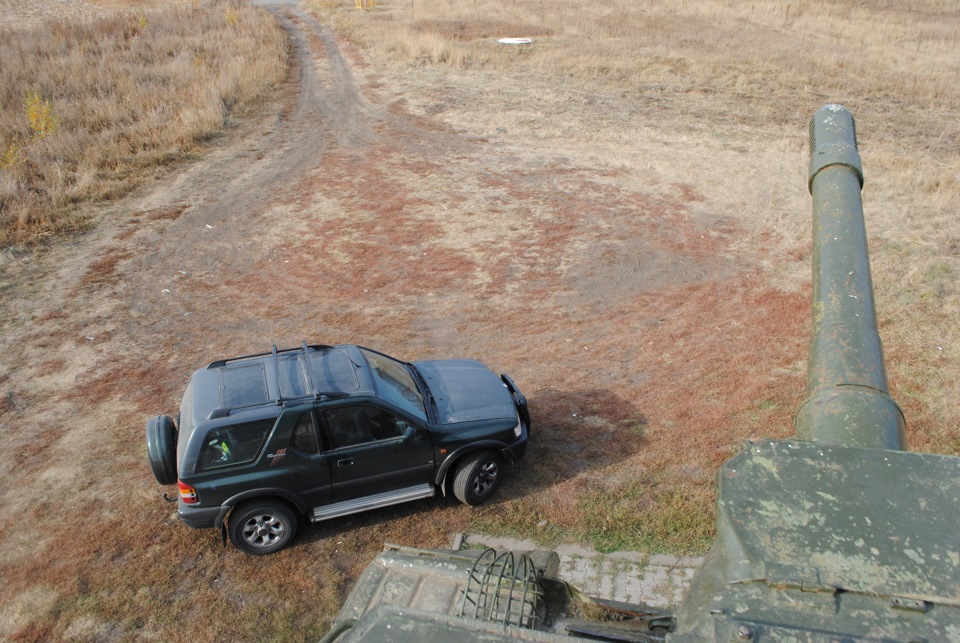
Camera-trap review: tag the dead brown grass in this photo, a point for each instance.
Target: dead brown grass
(707, 90)
(712, 86)
(624, 233)
(90, 109)
(719, 72)
(103, 270)
(711, 47)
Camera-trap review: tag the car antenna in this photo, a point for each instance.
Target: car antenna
(276, 368)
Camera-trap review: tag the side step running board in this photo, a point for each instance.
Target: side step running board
(357, 505)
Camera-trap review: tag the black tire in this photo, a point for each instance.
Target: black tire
(261, 527)
(162, 448)
(477, 477)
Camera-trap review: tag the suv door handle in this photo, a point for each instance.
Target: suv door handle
(346, 462)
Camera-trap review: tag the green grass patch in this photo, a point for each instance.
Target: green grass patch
(670, 518)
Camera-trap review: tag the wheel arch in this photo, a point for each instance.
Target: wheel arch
(449, 465)
(270, 494)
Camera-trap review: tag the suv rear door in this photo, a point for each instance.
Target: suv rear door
(301, 466)
(367, 452)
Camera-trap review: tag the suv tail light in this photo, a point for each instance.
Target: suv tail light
(187, 493)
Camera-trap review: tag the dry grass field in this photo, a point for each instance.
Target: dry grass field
(717, 94)
(615, 214)
(90, 110)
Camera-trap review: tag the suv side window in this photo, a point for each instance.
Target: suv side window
(233, 445)
(305, 435)
(351, 425)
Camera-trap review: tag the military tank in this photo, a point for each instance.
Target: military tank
(838, 535)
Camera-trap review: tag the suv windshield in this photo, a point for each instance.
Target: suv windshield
(394, 383)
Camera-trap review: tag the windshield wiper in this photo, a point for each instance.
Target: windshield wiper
(422, 385)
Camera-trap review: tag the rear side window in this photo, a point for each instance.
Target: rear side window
(305, 435)
(232, 445)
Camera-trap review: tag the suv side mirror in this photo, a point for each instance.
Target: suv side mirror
(408, 431)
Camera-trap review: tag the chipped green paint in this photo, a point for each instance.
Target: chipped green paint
(769, 466)
(864, 543)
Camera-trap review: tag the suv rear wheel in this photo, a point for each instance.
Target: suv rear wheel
(478, 476)
(261, 527)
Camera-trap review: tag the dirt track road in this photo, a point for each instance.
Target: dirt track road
(347, 216)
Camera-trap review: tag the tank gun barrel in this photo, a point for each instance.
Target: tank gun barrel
(848, 401)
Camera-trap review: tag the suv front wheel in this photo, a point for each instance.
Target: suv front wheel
(261, 527)
(478, 476)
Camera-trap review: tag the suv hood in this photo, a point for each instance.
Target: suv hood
(465, 391)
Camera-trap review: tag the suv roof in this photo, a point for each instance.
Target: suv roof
(259, 384)
(255, 387)
(263, 379)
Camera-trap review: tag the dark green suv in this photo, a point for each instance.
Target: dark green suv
(327, 431)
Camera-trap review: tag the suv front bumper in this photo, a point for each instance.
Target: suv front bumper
(516, 450)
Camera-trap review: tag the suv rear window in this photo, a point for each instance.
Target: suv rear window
(232, 445)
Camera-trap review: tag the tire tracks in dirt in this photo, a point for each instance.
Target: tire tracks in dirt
(231, 189)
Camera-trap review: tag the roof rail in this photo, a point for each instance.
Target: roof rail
(276, 372)
(308, 369)
(275, 354)
(224, 362)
